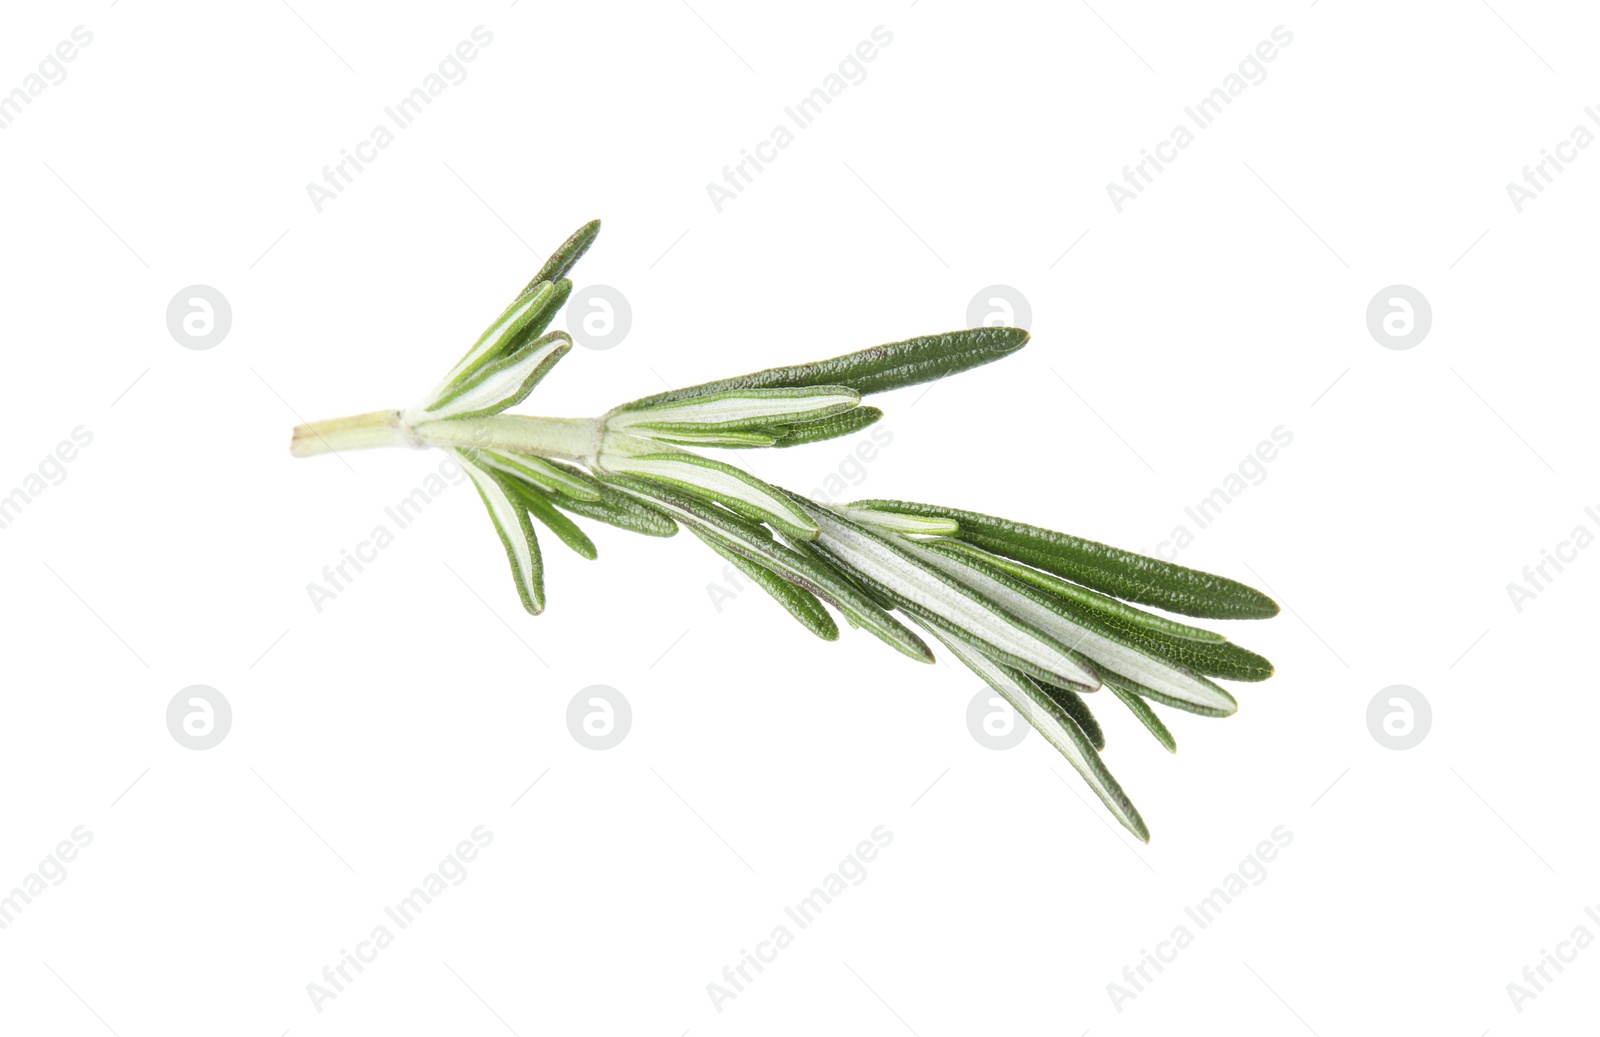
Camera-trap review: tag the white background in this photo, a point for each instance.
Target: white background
(372, 737)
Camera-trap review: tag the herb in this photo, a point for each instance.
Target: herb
(1039, 616)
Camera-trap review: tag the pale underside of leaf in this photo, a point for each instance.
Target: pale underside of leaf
(565, 529)
(1093, 599)
(1107, 654)
(524, 308)
(541, 473)
(504, 383)
(798, 568)
(516, 534)
(923, 588)
(732, 439)
(740, 409)
(1051, 721)
(721, 482)
(1131, 577)
(915, 525)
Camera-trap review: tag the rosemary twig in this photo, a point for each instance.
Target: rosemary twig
(1039, 616)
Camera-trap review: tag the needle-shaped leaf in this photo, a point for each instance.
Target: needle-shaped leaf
(1132, 577)
(896, 522)
(516, 532)
(738, 409)
(539, 507)
(732, 440)
(620, 510)
(1141, 709)
(502, 383)
(720, 482)
(1055, 724)
(543, 474)
(878, 369)
(799, 568)
(491, 345)
(801, 604)
(1107, 653)
(842, 424)
(1073, 592)
(562, 259)
(886, 563)
(1071, 702)
(1211, 656)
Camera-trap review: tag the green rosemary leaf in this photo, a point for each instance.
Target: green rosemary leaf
(878, 369)
(720, 482)
(539, 507)
(801, 569)
(1107, 652)
(490, 346)
(543, 474)
(896, 522)
(732, 440)
(540, 320)
(1227, 707)
(562, 259)
(865, 589)
(1074, 706)
(1210, 656)
(1082, 595)
(1141, 709)
(502, 383)
(843, 424)
(1215, 657)
(622, 511)
(738, 409)
(801, 604)
(922, 590)
(1132, 577)
(1055, 724)
(515, 531)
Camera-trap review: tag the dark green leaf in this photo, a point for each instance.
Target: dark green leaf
(539, 507)
(616, 509)
(878, 369)
(1123, 623)
(803, 432)
(801, 604)
(1073, 705)
(1141, 709)
(803, 570)
(562, 259)
(1129, 576)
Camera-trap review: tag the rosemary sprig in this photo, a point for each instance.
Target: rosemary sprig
(1039, 616)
